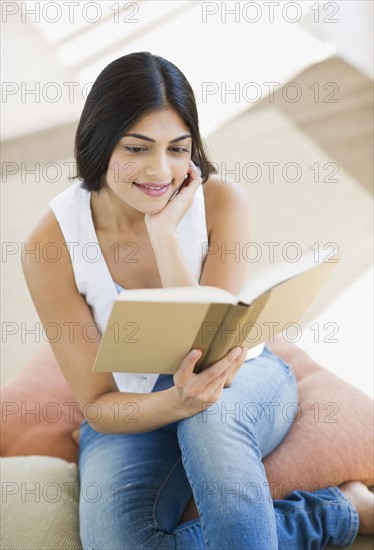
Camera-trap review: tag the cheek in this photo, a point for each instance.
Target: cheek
(120, 171)
(182, 168)
(130, 171)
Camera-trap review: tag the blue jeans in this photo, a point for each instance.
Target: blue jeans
(134, 487)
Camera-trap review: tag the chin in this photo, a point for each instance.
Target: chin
(151, 209)
(156, 209)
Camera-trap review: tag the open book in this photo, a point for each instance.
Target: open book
(151, 330)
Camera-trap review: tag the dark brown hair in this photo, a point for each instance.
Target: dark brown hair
(126, 90)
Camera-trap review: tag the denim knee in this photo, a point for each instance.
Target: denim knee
(219, 426)
(228, 410)
(260, 413)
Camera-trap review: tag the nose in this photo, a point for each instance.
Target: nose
(158, 169)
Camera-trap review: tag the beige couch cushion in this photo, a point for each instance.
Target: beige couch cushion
(39, 509)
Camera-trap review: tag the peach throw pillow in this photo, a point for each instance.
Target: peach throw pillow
(332, 440)
(39, 411)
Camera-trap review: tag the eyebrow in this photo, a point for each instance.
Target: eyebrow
(140, 136)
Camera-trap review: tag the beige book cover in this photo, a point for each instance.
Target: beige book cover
(151, 330)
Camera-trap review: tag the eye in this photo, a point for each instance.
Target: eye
(134, 149)
(180, 150)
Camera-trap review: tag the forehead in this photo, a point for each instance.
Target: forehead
(165, 122)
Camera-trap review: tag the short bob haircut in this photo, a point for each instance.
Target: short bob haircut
(129, 88)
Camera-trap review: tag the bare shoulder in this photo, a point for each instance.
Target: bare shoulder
(221, 193)
(51, 252)
(46, 227)
(217, 190)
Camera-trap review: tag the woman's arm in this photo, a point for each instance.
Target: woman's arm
(125, 413)
(172, 265)
(228, 218)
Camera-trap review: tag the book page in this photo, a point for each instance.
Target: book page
(190, 294)
(278, 273)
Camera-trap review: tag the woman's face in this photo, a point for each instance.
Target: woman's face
(158, 155)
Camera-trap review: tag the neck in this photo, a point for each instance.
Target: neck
(113, 215)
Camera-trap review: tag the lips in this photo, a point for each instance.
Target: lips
(152, 190)
(152, 185)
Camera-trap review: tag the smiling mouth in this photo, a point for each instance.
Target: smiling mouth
(151, 186)
(153, 190)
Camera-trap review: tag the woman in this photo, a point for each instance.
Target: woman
(150, 199)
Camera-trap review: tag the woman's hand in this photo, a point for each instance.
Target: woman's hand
(241, 359)
(170, 216)
(196, 392)
(236, 366)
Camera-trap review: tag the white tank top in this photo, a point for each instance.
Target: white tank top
(72, 209)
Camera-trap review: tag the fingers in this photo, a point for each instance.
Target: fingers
(188, 364)
(220, 366)
(233, 371)
(230, 371)
(195, 173)
(213, 376)
(197, 168)
(197, 390)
